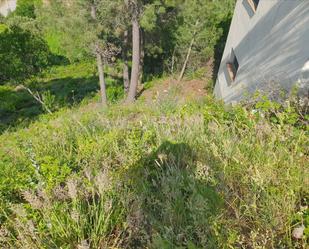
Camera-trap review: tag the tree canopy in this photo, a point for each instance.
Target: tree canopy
(146, 38)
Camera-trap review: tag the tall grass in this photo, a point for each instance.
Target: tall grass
(190, 175)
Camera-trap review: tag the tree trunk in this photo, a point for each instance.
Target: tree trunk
(126, 78)
(142, 56)
(186, 61)
(99, 63)
(173, 62)
(102, 79)
(135, 60)
(188, 53)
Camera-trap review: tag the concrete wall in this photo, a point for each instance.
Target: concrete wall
(6, 6)
(271, 45)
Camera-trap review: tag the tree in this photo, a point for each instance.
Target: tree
(145, 20)
(121, 13)
(199, 30)
(22, 54)
(135, 7)
(125, 74)
(159, 23)
(100, 62)
(84, 34)
(114, 16)
(183, 32)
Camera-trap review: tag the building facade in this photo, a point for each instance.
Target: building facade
(7, 6)
(267, 45)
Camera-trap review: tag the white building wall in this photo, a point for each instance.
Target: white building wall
(271, 46)
(7, 6)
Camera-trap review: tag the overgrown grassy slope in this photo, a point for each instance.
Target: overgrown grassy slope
(171, 174)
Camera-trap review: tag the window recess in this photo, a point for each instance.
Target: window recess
(232, 66)
(253, 4)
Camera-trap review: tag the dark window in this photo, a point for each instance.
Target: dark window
(256, 2)
(253, 4)
(232, 66)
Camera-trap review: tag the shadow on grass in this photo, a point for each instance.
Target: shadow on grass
(18, 108)
(69, 91)
(172, 206)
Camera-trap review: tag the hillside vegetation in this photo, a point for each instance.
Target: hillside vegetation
(110, 136)
(59, 87)
(166, 173)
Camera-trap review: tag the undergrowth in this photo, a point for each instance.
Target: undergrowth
(59, 87)
(170, 175)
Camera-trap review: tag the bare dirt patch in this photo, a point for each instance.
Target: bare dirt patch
(186, 89)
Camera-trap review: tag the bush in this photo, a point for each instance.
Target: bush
(22, 55)
(26, 8)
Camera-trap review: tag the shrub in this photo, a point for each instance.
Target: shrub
(26, 8)
(22, 54)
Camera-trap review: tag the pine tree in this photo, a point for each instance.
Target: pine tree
(83, 31)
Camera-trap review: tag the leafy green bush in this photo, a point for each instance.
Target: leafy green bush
(26, 8)
(22, 55)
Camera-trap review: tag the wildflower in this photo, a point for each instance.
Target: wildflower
(254, 111)
(49, 225)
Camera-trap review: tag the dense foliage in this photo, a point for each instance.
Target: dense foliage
(26, 8)
(22, 54)
(174, 36)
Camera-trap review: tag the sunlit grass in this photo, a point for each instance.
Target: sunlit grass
(189, 175)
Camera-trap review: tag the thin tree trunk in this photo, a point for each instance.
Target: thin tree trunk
(188, 53)
(135, 60)
(99, 63)
(102, 79)
(186, 60)
(142, 56)
(126, 78)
